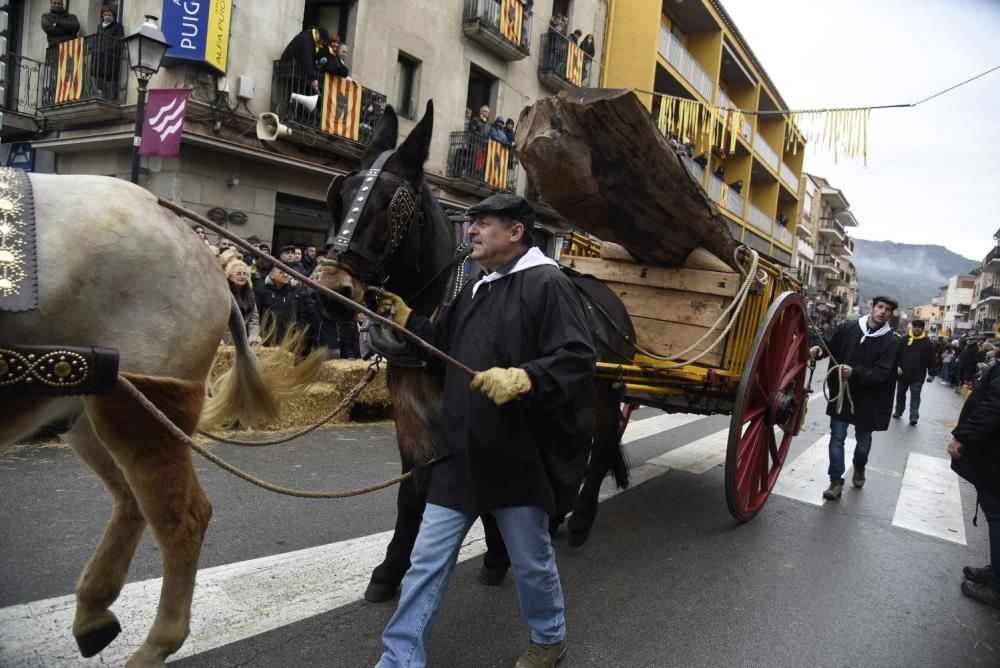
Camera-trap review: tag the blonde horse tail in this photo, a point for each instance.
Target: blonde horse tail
(252, 391)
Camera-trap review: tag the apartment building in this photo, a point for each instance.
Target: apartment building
(932, 314)
(693, 50)
(985, 305)
(955, 299)
(823, 251)
(460, 54)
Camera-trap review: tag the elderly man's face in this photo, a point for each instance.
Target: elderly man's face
(287, 256)
(279, 277)
(484, 111)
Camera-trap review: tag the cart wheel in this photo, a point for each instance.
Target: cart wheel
(768, 406)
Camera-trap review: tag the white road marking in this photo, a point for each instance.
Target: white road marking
(231, 602)
(929, 499)
(655, 425)
(698, 456)
(805, 478)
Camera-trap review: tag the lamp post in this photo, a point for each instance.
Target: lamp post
(146, 47)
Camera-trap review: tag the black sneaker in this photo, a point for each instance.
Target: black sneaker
(984, 593)
(978, 575)
(896, 416)
(380, 592)
(913, 423)
(492, 577)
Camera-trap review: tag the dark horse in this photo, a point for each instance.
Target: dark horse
(390, 231)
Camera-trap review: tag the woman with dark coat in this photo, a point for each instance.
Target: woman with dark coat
(238, 277)
(105, 65)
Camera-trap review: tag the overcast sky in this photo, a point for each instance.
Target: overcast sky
(933, 172)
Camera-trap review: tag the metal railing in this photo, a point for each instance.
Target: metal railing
(759, 219)
(806, 250)
(103, 73)
(554, 59)
(788, 176)
(671, 48)
(835, 226)
(989, 291)
(987, 326)
(726, 102)
(696, 171)
(783, 235)
(487, 13)
(469, 154)
(290, 77)
(22, 83)
(992, 255)
(766, 152)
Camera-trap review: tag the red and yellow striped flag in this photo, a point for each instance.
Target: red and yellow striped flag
(497, 164)
(341, 107)
(69, 76)
(511, 13)
(574, 65)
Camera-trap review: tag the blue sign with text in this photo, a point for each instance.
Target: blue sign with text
(198, 31)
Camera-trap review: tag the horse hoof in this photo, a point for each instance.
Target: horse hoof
(93, 642)
(378, 592)
(578, 538)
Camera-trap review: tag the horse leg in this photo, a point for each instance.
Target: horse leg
(159, 471)
(102, 579)
(388, 575)
(605, 455)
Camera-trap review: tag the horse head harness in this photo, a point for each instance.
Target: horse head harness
(403, 209)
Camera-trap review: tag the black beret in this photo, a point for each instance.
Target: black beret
(287, 247)
(513, 206)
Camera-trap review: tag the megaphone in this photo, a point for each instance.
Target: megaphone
(307, 101)
(270, 127)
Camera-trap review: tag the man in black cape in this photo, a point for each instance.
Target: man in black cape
(916, 361)
(520, 451)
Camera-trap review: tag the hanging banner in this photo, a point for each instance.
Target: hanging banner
(69, 77)
(511, 13)
(574, 65)
(497, 164)
(161, 130)
(198, 31)
(341, 107)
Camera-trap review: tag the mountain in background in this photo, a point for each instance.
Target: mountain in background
(912, 273)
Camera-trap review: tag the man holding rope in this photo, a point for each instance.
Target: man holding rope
(861, 384)
(520, 451)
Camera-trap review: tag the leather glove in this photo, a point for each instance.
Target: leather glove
(390, 305)
(502, 385)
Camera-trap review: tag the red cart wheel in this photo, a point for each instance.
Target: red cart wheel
(768, 406)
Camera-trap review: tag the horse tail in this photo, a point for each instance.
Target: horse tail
(620, 467)
(252, 390)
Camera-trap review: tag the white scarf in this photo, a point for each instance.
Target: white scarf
(533, 258)
(865, 333)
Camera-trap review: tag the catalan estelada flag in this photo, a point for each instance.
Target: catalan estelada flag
(69, 76)
(574, 65)
(341, 107)
(511, 13)
(497, 164)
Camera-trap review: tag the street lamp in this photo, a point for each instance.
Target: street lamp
(146, 47)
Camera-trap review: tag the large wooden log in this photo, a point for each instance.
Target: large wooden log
(596, 157)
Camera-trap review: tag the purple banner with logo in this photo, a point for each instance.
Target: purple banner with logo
(161, 130)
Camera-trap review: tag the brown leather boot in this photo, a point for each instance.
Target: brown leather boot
(542, 656)
(834, 491)
(858, 479)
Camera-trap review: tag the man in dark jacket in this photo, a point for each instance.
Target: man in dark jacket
(59, 25)
(287, 304)
(310, 49)
(519, 452)
(865, 351)
(975, 455)
(916, 361)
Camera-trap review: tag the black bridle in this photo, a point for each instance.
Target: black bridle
(404, 208)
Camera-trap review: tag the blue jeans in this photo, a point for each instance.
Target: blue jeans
(838, 434)
(991, 509)
(914, 386)
(525, 530)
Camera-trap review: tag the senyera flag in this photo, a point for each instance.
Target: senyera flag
(341, 107)
(161, 130)
(69, 77)
(511, 16)
(497, 164)
(574, 65)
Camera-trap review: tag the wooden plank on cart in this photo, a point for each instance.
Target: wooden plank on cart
(675, 278)
(597, 158)
(670, 338)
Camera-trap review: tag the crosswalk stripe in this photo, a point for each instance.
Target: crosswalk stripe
(655, 425)
(929, 499)
(805, 478)
(698, 456)
(232, 602)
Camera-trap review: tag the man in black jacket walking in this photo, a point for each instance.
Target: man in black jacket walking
(916, 360)
(975, 455)
(865, 351)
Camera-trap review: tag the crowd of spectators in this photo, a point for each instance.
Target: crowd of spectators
(964, 362)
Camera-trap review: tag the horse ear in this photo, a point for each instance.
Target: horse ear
(414, 151)
(384, 137)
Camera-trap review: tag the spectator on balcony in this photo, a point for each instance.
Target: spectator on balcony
(575, 36)
(307, 50)
(480, 125)
(701, 160)
(720, 173)
(737, 187)
(105, 65)
(335, 61)
(556, 57)
(343, 53)
(781, 220)
(508, 129)
(497, 132)
(468, 120)
(59, 25)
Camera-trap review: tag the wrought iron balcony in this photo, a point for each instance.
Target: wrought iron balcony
(83, 81)
(561, 64)
(22, 86)
(501, 26)
(992, 260)
(485, 161)
(988, 293)
(343, 114)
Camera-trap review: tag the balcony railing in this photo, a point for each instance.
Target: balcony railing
(783, 235)
(290, 77)
(987, 326)
(824, 262)
(833, 226)
(696, 171)
(477, 158)
(101, 74)
(805, 250)
(508, 36)
(22, 85)
(726, 102)
(562, 64)
(992, 255)
(788, 176)
(991, 291)
(767, 153)
(759, 219)
(675, 54)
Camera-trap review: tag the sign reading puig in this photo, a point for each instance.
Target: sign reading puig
(198, 31)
